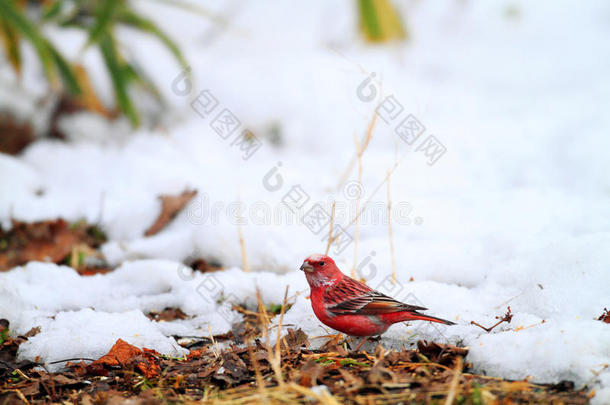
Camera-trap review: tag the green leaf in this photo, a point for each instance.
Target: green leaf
(129, 18)
(10, 39)
(140, 77)
(380, 21)
(51, 10)
(352, 362)
(29, 30)
(65, 71)
(104, 17)
(120, 78)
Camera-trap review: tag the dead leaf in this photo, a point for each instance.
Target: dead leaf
(32, 332)
(122, 354)
(310, 373)
(50, 241)
(295, 339)
(444, 354)
(168, 314)
(171, 205)
(14, 135)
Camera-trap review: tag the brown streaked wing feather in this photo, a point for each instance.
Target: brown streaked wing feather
(351, 297)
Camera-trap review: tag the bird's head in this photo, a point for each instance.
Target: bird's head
(320, 269)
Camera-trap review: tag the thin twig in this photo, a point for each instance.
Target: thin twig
(365, 143)
(330, 229)
(242, 244)
(453, 387)
(259, 377)
(359, 189)
(391, 237)
(506, 318)
(385, 178)
(279, 327)
(215, 350)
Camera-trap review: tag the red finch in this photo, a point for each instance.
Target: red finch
(352, 307)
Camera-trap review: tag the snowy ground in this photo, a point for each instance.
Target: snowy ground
(515, 212)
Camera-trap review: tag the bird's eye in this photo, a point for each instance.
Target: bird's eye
(321, 263)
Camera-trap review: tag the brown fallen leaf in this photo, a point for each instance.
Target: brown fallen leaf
(168, 314)
(122, 354)
(295, 339)
(50, 241)
(444, 354)
(14, 135)
(171, 205)
(310, 373)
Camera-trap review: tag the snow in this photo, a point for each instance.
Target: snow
(516, 212)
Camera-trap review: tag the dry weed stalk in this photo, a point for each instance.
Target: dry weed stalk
(260, 384)
(242, 244)
(275, 358)
(360, 149)
(215, 350)
(356, 231)
(391, 237)
(365, 143)
(453, 386)
(506, 318)
(376, 190)
(331, 238)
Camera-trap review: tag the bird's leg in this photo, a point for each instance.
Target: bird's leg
(364, 339)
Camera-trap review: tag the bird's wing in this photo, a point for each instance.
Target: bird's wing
(351, 297)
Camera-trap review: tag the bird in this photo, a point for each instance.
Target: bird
(352, 307)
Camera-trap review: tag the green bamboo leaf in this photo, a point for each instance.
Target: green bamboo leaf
(120, 78)
(66, 72)
(104, 16)
(140, 77)
(368, 17)
(10, 39)
(51, 10)
(380, 21)
(29, 30)
(129, 18)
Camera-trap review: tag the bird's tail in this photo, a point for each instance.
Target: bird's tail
(416, 316)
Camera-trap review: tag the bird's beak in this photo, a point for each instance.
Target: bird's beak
(307, 267)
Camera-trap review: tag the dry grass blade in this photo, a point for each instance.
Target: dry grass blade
(359, 151)
(390, 236)
(453, 387)
(330, 229)
(279, 327)
(242, 243)
(260, 384)
(365, 143)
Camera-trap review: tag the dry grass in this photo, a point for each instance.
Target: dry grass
(331, 238)
(242, 243)
(390, 235)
